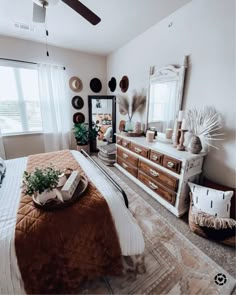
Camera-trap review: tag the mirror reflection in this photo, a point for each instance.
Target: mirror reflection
(162, 107)
(102, 117)
(165, 96)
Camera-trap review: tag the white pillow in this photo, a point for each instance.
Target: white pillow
(211, 201)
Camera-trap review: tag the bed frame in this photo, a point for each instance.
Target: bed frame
(108, 176)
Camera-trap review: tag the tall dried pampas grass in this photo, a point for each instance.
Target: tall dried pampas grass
(138, 104)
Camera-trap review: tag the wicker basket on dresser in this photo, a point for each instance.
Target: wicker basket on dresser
(160, 169)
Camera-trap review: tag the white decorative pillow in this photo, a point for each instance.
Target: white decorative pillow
(2, 170)
(211, 201)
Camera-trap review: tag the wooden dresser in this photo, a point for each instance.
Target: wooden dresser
(160, 169)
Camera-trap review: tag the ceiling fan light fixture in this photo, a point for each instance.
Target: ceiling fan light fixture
(46, 3)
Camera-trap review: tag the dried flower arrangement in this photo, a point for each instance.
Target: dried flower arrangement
(138, 104)
(205, 124)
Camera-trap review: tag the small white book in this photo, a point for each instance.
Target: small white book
(70, 186)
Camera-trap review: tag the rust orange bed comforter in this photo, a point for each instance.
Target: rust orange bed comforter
(58, 250)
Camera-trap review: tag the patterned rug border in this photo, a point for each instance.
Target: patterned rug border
(127, 188)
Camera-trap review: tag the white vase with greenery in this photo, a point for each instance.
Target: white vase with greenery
(41, 183)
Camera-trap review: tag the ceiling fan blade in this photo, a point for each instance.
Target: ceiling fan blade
(39, 13)
(83, 10)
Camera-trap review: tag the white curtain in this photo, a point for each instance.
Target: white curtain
(55, 108)
(2, 150)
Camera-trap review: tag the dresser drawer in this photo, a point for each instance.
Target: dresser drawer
(118, 140)
(139, 150)
(156, 157)
(125, 143)
(159, 175)
(172, 164)
(128, 167)
(127, 157)
(156, 187)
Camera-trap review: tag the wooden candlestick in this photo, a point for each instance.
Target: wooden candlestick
(181, 146)
(177, 134)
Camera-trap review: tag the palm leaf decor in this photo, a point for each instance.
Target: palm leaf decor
(206, 124)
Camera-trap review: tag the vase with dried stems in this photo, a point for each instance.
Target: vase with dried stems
(137, 105)
(204, 126)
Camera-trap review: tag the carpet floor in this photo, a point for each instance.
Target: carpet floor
(174, 261)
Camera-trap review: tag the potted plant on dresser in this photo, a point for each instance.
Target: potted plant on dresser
(81, 133)
(42, 183)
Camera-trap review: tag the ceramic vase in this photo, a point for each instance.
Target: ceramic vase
(46, 196)
(195, 145)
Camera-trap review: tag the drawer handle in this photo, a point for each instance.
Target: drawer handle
(154, 173)
(152, 185)
(124, 165)
(125, 156)
(170, 164)
(154, 157)
(137, 150)
(125, 143)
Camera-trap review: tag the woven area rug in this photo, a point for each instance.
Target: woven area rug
(173, 264)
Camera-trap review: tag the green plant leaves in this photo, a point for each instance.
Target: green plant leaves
(40, 180)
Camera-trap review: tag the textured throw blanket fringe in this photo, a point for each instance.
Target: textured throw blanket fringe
(207, 220)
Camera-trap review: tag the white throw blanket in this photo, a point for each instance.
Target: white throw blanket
(129, 233)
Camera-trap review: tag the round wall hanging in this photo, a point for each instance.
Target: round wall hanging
(112, 84)
(78, 118)
(77, 102)
(124, 83)
(95, 85)
(75, 84)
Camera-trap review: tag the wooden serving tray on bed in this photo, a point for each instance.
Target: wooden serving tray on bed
(57, 204)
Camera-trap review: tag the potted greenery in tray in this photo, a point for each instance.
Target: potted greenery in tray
(41, 183)
(81, 133)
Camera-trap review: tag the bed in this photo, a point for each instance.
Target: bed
(13, 280)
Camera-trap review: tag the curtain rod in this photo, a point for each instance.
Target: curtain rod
(27, 62)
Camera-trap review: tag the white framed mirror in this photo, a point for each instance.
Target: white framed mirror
(165, 95)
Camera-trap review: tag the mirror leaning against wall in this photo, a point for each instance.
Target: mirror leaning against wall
(102, 118)
(165, 95)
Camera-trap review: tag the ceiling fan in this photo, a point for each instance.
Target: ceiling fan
(40, 6)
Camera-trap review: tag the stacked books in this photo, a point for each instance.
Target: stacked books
(107, 154)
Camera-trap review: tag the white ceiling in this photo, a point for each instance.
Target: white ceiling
(122, 20)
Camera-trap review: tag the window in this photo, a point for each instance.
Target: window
(19, 98)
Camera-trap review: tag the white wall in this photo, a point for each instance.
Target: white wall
(204, 29)
(83, 65)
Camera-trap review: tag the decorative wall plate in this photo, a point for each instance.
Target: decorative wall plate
(95, 85)
(78, 118)
(75, 84)
(112, 84)
(124, 83)
(77, 102)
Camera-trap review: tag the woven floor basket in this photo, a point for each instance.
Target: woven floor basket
(225, 236)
